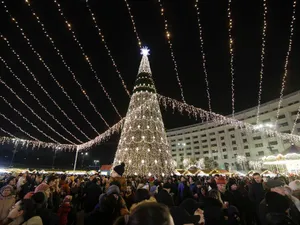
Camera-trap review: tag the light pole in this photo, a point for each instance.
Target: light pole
(13, 157)
(83, 155)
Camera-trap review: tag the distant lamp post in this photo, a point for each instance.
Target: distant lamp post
(83, 155)
(96, 162)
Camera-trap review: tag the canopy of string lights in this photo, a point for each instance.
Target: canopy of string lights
(68, 70)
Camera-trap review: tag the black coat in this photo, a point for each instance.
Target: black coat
(256, 193)
(165, 198)
(263, 211)
(92, 194)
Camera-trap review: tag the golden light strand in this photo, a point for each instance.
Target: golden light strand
(44, 90)
(231, 56)
(69, 26)
(203, 55)
(168, 35)
(58, 52)
(222, 120)
(296, 119)
(6, 132)
(24, 118)
(49, 71)
(287, 59)
(31, 110)
(262, 57)
(19, 128)
(26, 143)
(106, 47)
(37, 100)
(133, 24)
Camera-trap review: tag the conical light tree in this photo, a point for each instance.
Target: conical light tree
(143, 145)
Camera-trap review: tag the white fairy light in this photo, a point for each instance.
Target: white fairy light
(87, 58)
(231, 57)
(58, 52)
(262, 57)
(171, 49)
(287, 59)
(106, 47)
(203, 56)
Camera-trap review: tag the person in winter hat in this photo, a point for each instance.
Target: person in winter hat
(43, 187)
(7, 200)
(64, 210)
(116, 176)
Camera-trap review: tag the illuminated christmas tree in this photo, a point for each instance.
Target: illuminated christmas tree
(143, 145)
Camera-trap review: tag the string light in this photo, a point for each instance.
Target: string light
(8, 133)
(145, 143)
(58, 52)
(287, 59)
(31, 110)
(37, 100)
(262, 57)
(39, 84)
(222, 120)
(203, 55)
(168, 35)
(231, 56)
(86, 57)
(34, 144)
(106, 47)
(19, 128)
(24, 118)
(49, 71)
(133, 24)
(296, 119)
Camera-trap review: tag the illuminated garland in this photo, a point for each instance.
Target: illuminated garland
(262, 58)
(69, 26)
(296, 119)
(58, 52)
(168, 34)
(24, 118)
(203, 55)
(231, 57)
(34, 144)
(19, 128)
(102, 137)
(106, 47)
(49, 71)
(287, 59)
(32, 111)
(37, 100)
(133, 24)
(222, 120)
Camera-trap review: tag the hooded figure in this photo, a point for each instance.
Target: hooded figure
(116, 176)
(64, 210)
(7, 200)
(109, 208)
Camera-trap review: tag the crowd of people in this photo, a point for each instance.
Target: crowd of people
(34, 199)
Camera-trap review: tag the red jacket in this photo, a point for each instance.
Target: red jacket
(63, 212)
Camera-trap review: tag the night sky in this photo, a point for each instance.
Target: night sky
(115, 23)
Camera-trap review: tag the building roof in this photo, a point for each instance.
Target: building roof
(292, 149)
(106, 167)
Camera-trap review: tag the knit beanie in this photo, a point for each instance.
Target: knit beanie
(113, 189)
(42, 187)
(7, 187)
(39, 198)
(120, 169)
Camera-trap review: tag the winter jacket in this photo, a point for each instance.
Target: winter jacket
(256, 193)
(165, 198)
(36, 220)
(121, 180)
(92, 193)
(263, 211)
(63, 213)
(5, 204)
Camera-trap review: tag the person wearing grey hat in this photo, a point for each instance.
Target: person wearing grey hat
(276, 186)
